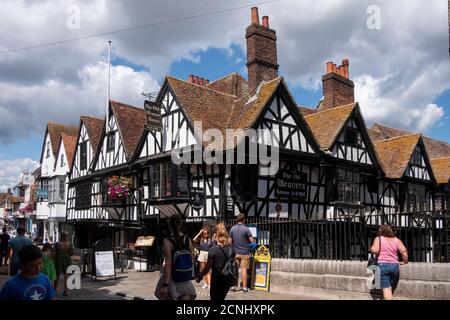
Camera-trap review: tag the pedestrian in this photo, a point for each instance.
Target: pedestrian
(386, 247)
(217, 258)
(49, 268)
(175, 282)
(14, 246)
(29, 283)
(205, 243)
(4, 240)
(242, 237)
(63, 254)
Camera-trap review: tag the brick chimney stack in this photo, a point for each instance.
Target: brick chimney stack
(262, 60)
(338, 89)
(197, 80)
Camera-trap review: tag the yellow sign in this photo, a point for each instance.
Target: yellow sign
(261, 269)
(145, 241)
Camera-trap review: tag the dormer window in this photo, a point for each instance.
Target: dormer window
(111, 141)
(48, 149)
(352, 137)
(83, 156)
(62, 160)
(417, 156)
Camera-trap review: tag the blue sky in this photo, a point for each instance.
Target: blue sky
(211, 64)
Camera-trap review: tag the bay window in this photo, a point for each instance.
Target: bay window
(83, 195)
(168, 180)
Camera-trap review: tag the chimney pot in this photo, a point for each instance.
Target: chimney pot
(191, 78)
(197, 80)
(265, 22)
(255, 16)
(202, 82)
(329, 67)
(206, 81)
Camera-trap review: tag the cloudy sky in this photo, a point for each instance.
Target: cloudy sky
(399, 62)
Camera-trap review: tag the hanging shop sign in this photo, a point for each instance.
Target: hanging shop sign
(291, 184)
(42, 193)
(153, 116)
(197, 199)
(261, 269)
(229, 203)
(145, 241)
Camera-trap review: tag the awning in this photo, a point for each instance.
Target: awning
(168, 210)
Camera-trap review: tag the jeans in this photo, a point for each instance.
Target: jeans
(390, 275)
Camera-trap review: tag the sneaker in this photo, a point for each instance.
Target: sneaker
(245, 290)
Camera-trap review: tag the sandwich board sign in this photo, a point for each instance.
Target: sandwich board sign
(261, 269)
(104, 264)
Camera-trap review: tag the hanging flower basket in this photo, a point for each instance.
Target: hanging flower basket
(119, 188)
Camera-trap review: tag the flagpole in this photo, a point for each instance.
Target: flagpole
(108, 90)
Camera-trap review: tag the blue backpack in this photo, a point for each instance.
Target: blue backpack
(182, 265)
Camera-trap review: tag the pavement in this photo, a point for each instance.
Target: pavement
(135, 285)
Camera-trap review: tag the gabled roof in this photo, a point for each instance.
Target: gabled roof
(441, 169)
(54, 130)
(305, 111)
(435, 148)
(232, 84)
(219, 110)
(70, 145)
(396, 153)
(326, 125)
(130, 122)
(94, 128)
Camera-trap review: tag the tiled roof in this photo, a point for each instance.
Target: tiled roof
(55, 130)
(70, 145)
(94, 127)
(307, 111)
(441, 169)
(218, 110)
(130, 121)
(232, 84)
(326, 125)
(396, 153)
(435, 148)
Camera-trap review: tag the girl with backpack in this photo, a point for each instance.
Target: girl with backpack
(221, 261)
(175, 282)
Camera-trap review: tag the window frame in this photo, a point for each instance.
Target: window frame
(348, 186)
(83, 201)
(357, 137)
(164, 180)
(62, 161)
(83, 156)
(110, 141)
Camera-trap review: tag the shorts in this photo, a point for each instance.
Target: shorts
(243, 260)
(176, 289)
(390, 275)
(203, 256)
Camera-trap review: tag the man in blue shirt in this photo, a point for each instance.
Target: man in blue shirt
(29, 283)
(15, 245)
(242, 237)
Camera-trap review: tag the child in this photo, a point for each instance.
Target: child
(29, 283)
(48, 256)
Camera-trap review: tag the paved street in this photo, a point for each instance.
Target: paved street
(141, 285)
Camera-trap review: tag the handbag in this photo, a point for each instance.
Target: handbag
(373, 260)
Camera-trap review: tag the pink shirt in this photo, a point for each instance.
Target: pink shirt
(389, 250)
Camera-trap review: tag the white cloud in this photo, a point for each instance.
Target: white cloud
(11, 171)
(400, 68)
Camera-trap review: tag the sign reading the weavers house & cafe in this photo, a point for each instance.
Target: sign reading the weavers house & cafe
(291, 184)
(153, 116)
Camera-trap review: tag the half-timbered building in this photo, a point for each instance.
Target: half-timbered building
(104, 151)
(58, 145)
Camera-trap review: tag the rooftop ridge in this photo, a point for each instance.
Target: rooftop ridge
(203, 87)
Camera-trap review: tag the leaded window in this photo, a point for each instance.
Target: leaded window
(83, 195)
(416, 199)
(348, 186)
(83, 156)
(168, 180)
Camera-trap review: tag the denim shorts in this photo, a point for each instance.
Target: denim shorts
(390, 275)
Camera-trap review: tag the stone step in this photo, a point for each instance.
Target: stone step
(350, 285)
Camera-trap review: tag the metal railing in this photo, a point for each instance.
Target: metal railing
(349, 237)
